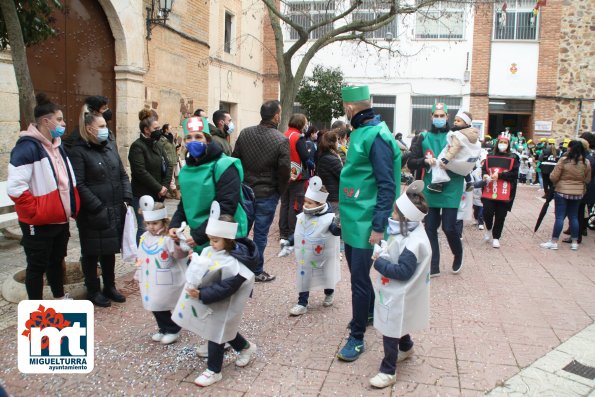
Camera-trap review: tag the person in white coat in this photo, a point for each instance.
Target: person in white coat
(402, 304)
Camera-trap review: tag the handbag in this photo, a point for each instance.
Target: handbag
(129, 236)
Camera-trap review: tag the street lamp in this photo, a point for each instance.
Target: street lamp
(159, 15)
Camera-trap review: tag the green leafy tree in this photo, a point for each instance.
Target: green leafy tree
(320, 95)
(23, 23)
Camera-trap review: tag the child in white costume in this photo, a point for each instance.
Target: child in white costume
(317, 248)
(161, 275)
(218, 285)
(402, 302)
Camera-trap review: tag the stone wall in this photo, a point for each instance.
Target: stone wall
(576, 68)
(9, 112)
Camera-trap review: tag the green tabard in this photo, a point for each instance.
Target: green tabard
(197, 184)
(357, 189)
(452, 191)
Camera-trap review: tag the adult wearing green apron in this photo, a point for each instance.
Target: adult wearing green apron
(209, 175)
(368, 187)
(443, 205)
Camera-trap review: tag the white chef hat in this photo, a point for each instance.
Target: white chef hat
(461, 114)
(218, 228)
(407, 208)
(146, 203)
(313, 192)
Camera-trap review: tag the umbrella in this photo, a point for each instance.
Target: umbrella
(549, 198)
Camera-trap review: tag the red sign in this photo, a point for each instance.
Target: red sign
(500, 189)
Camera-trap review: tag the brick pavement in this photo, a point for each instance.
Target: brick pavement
(506, 309)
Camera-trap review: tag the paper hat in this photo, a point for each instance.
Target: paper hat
(504, 135)
(551, 140)
(355, 94)
(313, 192)
(542, 139)
(146, 204)
(464, 117)
(218, 228)
(488, 136)
(407, 208)
(566, 140)
(196, 124)
(530, 141)
(440, 106)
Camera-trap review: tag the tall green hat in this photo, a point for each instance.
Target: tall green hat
(355, 94)
(196, 124)
(440, 106)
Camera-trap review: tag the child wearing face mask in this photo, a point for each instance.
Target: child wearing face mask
(161, 265)
(218, 284)
(316, 248)
(461, 153)
(402, 287)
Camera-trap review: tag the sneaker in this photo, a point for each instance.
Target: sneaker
(434, 273)
(202, 350)
(574, 246)
(298, 310)
(495, 243)
(66, 297)
(435, 187)
(370, 320)
(285, 251)
(382, 380)
(283, 243)
(549, 245)
(207, 378)
(487, 235)
(169, 338)
(404, 355)
(328, 300)
(469, 187)
(457, 265)
(157, 337)
(352, 349)
(246, 355)
(264, 277)
(480, 227)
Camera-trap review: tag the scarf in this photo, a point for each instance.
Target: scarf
(394, 227)
(358, 120)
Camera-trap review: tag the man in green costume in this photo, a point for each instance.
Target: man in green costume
(443, 205)
(369, 185)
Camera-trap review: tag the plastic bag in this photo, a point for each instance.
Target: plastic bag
(439, 174)
(129, 236)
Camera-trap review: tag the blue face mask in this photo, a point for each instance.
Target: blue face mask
(439, 123)
(57, 131)
(102, 134)
(196, 148)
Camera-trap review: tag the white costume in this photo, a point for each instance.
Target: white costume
(464, 161)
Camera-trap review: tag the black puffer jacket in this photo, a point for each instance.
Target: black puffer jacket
(149, 168)
(103, 187)
(329, 170)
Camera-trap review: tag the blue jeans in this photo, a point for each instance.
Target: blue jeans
(448, 218)
(264, 213)
(304, 296)
(140, 222)
(540, 178)
(564, 208)
(359, 261)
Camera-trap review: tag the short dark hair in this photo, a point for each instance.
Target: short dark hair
(297, 121)
(165, 127)
(590, 138)
(218, 116)
(96, 102)
(338, 124)
(197, 112)
(44, 106)
(399, 135)
(269, 109)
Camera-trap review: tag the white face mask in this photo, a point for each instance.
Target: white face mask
(502, 147)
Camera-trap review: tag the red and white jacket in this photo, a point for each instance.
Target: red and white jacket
(41, 181)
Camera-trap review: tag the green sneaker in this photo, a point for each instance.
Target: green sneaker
(352, 349)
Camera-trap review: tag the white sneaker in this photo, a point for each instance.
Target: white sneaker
(480, 227)
(404, 355)
(157, 337)
(496, 243)
(298, 310)
(285, 251)
(487, 236)
(328, 300)
(169, 338)
(66, 297)
(383, 380)
(246, 355)
(202, 349)
(574, 246)
(283, 243)
(207, 378)
(549, 245)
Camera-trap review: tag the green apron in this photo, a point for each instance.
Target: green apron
(452, 191)
(197, 184)
(357, 188)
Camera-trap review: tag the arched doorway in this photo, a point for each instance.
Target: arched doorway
(78, 62)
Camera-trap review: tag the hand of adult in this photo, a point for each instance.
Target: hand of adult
(163, 191)
(190, 242)
(375, 237)
(430, 162)
(495, 176)
(174, 234)
(442, 165)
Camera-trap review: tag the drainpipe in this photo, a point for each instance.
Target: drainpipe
(578, 118)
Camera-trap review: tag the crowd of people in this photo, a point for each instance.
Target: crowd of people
(339, 192)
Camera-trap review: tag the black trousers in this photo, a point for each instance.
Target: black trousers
(165, 323)
(294, 194)
(583, 219)
(216, 351)
(494, 214)
(391, 352)
(89, 265)
(45, 248)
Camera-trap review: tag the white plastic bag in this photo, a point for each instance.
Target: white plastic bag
(129, 236)
(439, 174)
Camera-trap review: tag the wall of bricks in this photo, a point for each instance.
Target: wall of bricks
(480, 65)
(271, 77)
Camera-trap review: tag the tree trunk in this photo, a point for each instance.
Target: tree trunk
(19, 59)
(288, 91)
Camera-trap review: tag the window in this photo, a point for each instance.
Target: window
(385, 105)
(422, 107)
(370, 10)
(517, 23)
(308, 13)
(228, 32)
(440, 21)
